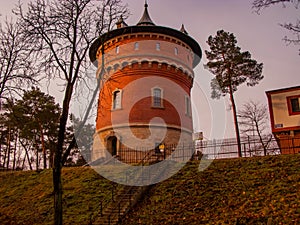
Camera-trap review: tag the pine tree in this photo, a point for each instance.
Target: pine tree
(231, 68)
(36, 117)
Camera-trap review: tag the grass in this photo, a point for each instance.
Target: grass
(26, 197)
(262, 190)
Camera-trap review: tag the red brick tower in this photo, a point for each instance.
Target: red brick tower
(147, 74)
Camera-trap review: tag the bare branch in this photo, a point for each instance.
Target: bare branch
(61, 33)
(258, 5)
(17, 70)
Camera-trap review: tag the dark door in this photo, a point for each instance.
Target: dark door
(112, 145)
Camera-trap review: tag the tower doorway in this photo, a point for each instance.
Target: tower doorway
(112, 145)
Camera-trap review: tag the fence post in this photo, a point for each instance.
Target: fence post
(249, 144)
(215, 146)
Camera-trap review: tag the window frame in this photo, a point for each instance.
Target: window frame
(290, 106)
(176, 51)
(157, 46)
(116, 105)
(136, 46)
(188, 105)
(155, 98)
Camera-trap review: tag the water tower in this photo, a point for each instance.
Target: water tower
(147, 76)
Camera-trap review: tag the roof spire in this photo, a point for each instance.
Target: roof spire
(145, 20)
(183, 30)
(121, 23)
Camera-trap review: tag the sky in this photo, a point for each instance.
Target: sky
(260, 34)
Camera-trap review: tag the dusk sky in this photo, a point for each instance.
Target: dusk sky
(261, 35)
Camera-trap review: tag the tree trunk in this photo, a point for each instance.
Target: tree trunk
(15, 152)
(237, 132)
(37, 155)
(51, 155)
(58, 210)
(26, 154)
(261, 139)
(8, 148)
(43, 147)
(1, 151)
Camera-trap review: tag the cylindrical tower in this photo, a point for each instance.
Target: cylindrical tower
(147, 75)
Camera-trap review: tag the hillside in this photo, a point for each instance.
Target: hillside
(264, 190)
(26, 197)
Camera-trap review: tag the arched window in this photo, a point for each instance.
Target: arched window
(117, 97)
(117, 49)
(136, 46)
(188, 110)
(158, 46)
(176, 51)
(157, 97)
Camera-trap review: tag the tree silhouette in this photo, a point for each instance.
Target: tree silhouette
(253, 120)
(61, 33)
(294, 28)
(35, 118)
(17, 69)
(231, 68)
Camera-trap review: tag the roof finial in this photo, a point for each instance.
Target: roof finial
(146, 20)
(121, 23)
(183, 30)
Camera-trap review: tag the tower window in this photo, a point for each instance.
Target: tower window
(294, 105)
(136, 46)
(158, 46)
(176, 51)
(157, 97)
(117, 49)
(117, 97)
(188, 110)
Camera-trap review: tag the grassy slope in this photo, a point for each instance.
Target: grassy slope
(26, 197)
(239, 191)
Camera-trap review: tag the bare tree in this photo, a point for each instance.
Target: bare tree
(254, 121)
(294, 28)
(61, 33)
(261, 4)
(16, 68)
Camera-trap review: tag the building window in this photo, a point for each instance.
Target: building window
(136, 46)
(188, 110)
(157, 97)
(176, 51)
(117, 99)
(117, 49)
(293, 105)
(158, 46)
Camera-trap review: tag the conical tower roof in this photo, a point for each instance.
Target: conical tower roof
(145, 20)
(183, 30)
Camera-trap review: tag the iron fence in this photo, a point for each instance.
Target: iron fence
(250, 145)
(210, 149)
